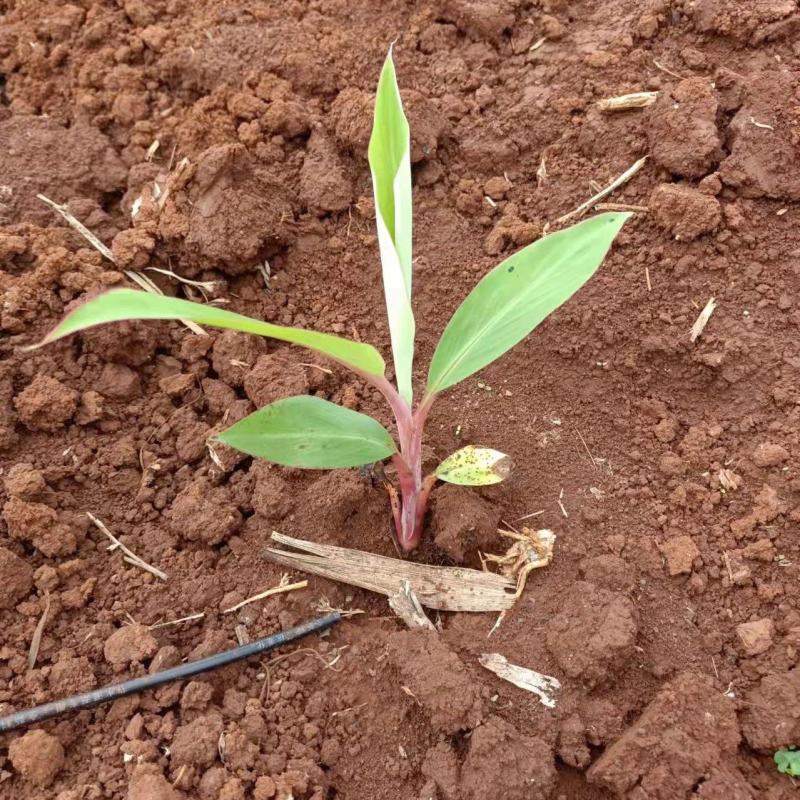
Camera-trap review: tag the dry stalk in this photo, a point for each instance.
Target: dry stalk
(603, 193)
(128, 555)
(137, 277)
(702, 320)
(191, 617)
(622, 207)
(282, 587)
(36, 641)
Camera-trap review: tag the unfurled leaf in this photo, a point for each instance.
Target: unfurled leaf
(512, 299)
(390, 162)
(474, 466)
(121, 304)
(311, 433)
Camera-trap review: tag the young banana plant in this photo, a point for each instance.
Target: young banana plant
(502, 309)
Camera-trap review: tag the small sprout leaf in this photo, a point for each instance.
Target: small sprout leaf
(474, 466)
(390, 162)
(121, 304)
(512, 299)
(310, 433)
(788, 762)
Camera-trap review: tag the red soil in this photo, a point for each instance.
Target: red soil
(607, 410)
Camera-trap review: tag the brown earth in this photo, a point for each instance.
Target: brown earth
(237, 132)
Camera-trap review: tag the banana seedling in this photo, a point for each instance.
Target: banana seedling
(501, 310)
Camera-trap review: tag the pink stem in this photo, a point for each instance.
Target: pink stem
(408, 462)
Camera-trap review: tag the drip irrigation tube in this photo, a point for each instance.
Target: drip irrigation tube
(115, 691)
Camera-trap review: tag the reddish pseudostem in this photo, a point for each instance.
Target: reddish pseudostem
(409, 509)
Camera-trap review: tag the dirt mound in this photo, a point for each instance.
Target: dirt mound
(686, 738)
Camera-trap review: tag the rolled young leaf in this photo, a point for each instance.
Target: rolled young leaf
(390, 163)
(512, 299)
(474, 466)
(310, 433)
(122, 304)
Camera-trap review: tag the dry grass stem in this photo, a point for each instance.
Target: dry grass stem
(702, 320)
(137, 277)
(622, 207)
(77, 225)
(660, 66)
(128, 555)
(647, 278)
(190, 618)
(282, 587)
(561, 504)
(624, 102)
(36, 641)
(204, 286)
(603, 193)
(586, 448)
(528, 516)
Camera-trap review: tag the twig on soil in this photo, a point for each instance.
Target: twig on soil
(603, 193)
(190, 618)
(667, 70)
(303, 651)
(282, 587)
(528, 516)
(36, 641)
(701, 322)
(622, 207)
(137, 277)
(624, 102)
(208, 286)
(323, 606)
(586, 448)
(561, 504)
(129, 556)
(647, 278)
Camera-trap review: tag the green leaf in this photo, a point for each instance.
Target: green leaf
(390, 162)
(512, 299)
(121, 304)
(788, 762)
(474, 466)
(311, 433)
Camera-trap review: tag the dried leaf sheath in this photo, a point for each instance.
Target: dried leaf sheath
(442, 588)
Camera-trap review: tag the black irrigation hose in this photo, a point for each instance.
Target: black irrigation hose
(108, 693)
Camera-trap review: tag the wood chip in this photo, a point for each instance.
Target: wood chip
(603, 193)
(541, 685)
(442, 588)
(406, 605)
(701, 322)
(624, 102)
